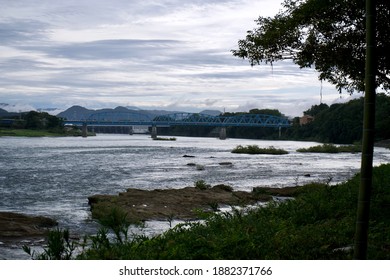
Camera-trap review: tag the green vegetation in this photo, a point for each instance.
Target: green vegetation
(318, 34)
(318, 224)
(254, 149)
(36, 124)
(29, 133)
(342, 123)
(59, 247)
(333, 149)
(202, 185)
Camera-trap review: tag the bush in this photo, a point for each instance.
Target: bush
(254, 149)
(201, 185)
(59, 247)
(330, 148)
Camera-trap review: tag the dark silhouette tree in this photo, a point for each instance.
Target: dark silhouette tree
(328, 35)
(347, 42)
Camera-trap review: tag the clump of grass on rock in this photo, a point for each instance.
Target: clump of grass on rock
(254, 150)
(332, 149)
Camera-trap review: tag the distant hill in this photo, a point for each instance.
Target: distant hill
(6, 114)
(3, 112)
(80, 113)
(76, 113)
(211, 112)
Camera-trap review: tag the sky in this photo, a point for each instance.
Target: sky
(152, 54)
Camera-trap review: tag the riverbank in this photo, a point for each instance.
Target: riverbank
(54, 176)
(184, 203)
(16, 226)
(318, 224)
(41, 133)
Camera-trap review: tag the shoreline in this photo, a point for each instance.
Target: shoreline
(17, 227)
(185, 203)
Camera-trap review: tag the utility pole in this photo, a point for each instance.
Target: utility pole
(363, 212)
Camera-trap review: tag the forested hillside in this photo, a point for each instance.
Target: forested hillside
(342, 123)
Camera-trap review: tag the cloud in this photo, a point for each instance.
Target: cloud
(166, 53)
(17, 32)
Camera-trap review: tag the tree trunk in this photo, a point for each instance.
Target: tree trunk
(361, 234)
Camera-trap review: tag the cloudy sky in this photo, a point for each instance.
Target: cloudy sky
(166, 54)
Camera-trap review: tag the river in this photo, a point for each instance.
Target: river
(53, 176)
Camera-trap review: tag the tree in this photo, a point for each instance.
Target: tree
(328, 35)
(346, 41)
(316, 109)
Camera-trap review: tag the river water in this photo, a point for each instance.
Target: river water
(54, 176)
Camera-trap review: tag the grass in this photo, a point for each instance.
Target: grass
(254, 150)
(330, 148)
(201, 185)
(319, 223)
(28, 133)
(40, 133)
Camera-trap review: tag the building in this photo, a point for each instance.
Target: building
(305, 119)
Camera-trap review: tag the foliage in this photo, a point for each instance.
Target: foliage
(59, 247)
(116, 221)
(30, 133)
(254, 149)
(318, 224)
(316, 109)
(41, 120)
(333, 149)
(327, 35)
(343, 123)
(202, 185)
(34, 124)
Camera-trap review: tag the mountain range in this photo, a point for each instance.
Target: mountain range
(79, 113)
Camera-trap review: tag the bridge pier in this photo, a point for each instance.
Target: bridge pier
(154, 132)
(222, 133)
(84, 130)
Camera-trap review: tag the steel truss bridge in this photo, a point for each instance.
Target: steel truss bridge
(177, 119)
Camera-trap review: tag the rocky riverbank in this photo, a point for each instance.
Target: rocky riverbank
(14, 226)
(141, 205)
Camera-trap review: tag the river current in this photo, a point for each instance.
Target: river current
(54, 176)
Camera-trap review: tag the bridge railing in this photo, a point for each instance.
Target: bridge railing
(237, 120)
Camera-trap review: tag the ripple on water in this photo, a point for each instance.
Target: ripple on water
(55, 176)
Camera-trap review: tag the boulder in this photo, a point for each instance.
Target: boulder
(15, 225)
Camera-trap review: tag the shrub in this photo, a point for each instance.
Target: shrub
(330, 148)
(59, 247)
(254, 149)
(201, 185)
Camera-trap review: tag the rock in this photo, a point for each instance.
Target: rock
(162, 204)
(225, 163)
(15, 225)
(200, 167)
(307, 175)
